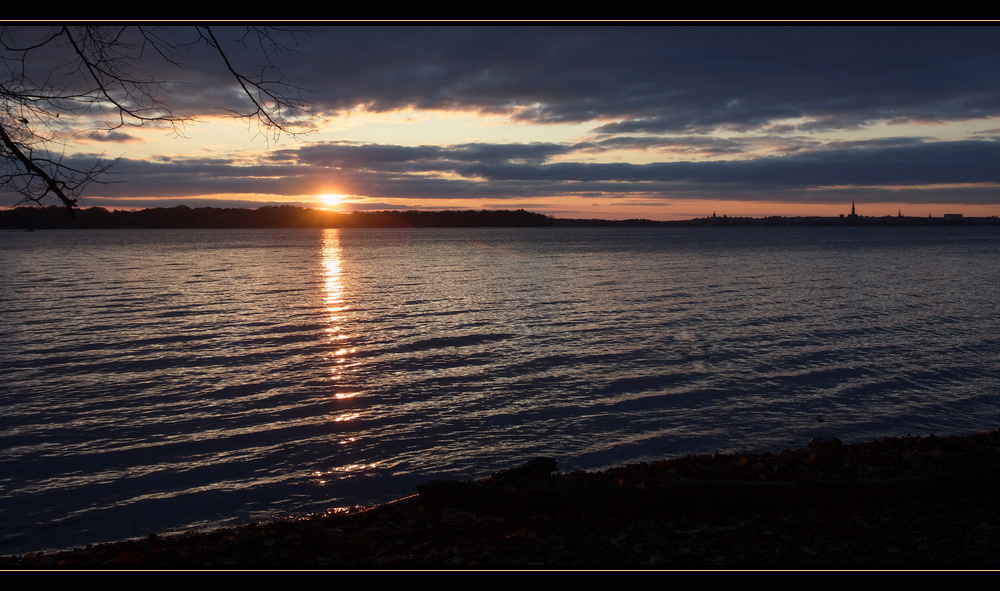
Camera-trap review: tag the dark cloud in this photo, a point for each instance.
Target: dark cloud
(649, 79)
(924, 163)
(896, 167)
(383, 157)
(704, 145)
(179, 177)
(660, 78)
(117, 137)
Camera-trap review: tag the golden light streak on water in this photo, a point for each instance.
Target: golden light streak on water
(333, 299)
(354, 468)
(335, 308)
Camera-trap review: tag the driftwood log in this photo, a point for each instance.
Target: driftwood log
(529, 490)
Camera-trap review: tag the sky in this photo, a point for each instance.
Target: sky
(658, 121)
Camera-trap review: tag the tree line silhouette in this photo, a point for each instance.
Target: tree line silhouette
(281, 216)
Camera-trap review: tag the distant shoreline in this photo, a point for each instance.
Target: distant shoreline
(287, 216)
(786, 221)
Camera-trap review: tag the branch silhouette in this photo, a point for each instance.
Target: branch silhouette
(54, 78)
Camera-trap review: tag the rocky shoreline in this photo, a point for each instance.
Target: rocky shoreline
(910, 502)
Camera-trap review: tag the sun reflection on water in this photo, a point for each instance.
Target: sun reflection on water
(336, 307)
(340, 360)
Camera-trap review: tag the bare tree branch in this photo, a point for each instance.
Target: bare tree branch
(91, 71)
(276, 103)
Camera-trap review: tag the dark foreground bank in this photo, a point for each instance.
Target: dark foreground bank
(913, 502)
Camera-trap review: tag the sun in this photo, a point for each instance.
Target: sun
(331, 200)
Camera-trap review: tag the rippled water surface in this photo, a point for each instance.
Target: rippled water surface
(164, 380)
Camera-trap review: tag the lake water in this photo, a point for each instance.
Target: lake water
(158, 381)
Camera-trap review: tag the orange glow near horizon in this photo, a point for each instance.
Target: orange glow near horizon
(331, 200)
(689, 209)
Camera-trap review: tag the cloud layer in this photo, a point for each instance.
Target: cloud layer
(720, 113)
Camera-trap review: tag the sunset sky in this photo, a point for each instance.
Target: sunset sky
(659, 122)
